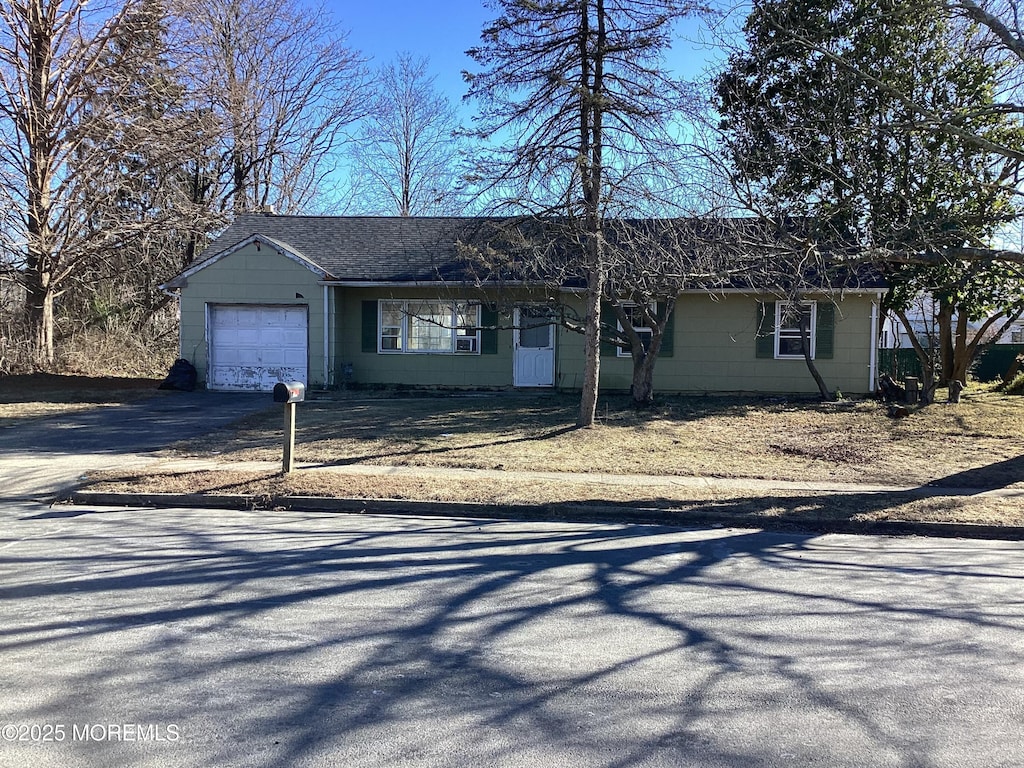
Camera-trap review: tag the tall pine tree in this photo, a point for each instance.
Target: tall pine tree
(577, 98)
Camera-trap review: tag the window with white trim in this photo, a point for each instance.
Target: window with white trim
(429, 327)
(635, 313)
(788, 340)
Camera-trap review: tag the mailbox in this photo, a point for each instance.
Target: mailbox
(289, 392)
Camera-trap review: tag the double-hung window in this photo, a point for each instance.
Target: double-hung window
(788, 339)
(635, 313)
(429, 327)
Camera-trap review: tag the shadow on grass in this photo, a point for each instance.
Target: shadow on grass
(990, 477)
(426, 419)
(445, 449)
(169, 481)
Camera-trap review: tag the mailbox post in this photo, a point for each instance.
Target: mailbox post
(289, 393)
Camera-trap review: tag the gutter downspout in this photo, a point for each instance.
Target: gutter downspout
(873, 364)
(328, 368)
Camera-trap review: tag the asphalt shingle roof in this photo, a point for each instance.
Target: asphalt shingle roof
(424, 249)
(358, 248)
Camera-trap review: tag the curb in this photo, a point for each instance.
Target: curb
(566, 512)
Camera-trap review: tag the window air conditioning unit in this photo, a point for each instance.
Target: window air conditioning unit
(466, 344)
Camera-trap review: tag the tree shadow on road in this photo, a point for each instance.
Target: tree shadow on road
(376, 641)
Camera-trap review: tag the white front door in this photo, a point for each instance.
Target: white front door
(534, 336)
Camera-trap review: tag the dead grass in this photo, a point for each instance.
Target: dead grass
(977, 443)
(735, 507)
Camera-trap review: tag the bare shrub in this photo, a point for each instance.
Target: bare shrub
(116, 347)
(16, 350)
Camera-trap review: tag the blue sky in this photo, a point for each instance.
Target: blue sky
(442, 31)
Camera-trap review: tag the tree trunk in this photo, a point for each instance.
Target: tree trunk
(644, 361)
(591, 348)
(924, 356)
(962, 354)
(36, 128)
(592, 365)
(945, 341)
(592, 179)
(642, 388)
(40, 317)
(805, 340)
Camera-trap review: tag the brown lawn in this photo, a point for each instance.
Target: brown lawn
(975, 443)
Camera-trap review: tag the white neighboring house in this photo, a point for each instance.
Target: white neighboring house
(893, 335)
(1014, 334)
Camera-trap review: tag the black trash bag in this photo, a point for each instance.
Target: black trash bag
(182, 376)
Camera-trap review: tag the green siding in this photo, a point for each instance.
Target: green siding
(715, 350)
(713, 340)
(668, 339)
(608, 320)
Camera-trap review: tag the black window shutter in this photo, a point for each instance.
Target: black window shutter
(369, 326)
(764, 340)
(488, 330)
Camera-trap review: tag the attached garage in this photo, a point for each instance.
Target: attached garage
(254, 346)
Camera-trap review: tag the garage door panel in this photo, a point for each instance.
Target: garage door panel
(276, 337)
(273, 357)
(254, 347)
(246, 337)
(227, 356)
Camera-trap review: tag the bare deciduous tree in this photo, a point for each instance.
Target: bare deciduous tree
(406, 156)
(138, 116)
(51, 54)
(280, 84)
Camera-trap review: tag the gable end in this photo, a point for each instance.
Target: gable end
(181, 280)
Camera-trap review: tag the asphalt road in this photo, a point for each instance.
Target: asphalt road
(218, 638)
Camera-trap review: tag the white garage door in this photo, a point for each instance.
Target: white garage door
(253, 347)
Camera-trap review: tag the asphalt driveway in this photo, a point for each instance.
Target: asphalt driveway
(41, 458)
